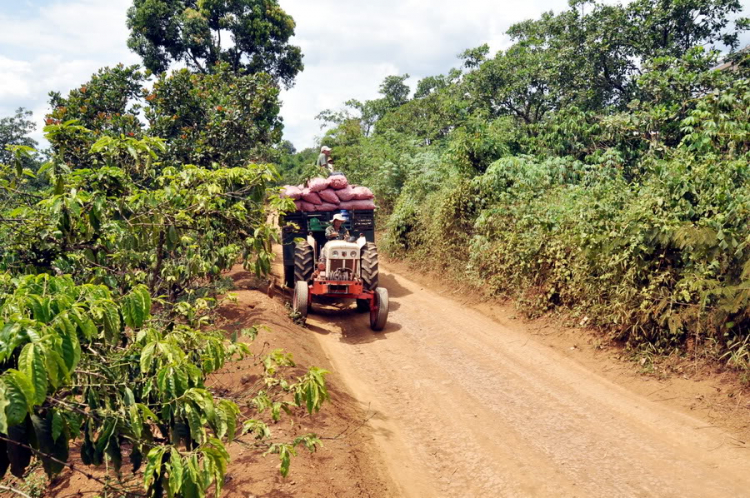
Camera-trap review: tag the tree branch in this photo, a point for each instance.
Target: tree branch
(13, 490)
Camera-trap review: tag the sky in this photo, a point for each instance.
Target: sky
(349, 47)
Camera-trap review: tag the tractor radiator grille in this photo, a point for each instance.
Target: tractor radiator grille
(338, 289)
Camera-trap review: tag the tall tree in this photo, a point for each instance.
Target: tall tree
(191, 31)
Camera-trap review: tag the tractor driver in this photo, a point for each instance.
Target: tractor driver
(336, 230)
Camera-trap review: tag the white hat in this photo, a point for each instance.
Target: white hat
(339, 217)
(325, 148)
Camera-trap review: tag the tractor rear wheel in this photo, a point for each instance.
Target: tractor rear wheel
(300, 298)
(303, 262)
(379, 316)
(370, 266)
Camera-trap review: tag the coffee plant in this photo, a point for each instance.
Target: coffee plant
(105, 340)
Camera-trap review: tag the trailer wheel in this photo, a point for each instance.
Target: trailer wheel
(303, 262)
(370, 266)
(300, 298)
(363, 305)
(379, 312)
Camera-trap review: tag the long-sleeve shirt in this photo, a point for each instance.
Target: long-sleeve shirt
(343, 233)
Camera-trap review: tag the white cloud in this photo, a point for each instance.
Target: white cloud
(56, 47)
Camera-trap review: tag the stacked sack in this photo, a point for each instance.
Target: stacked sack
(329, 194)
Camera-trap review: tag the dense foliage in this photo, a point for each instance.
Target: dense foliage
(112, 258)
(105, 300)
(599, 165)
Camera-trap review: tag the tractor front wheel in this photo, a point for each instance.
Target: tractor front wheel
(369, 272)
(379, 310)
(300, 299)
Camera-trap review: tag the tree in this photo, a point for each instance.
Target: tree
(520, 82)
(106, 105)
(15, 130)
(596, 51)
(206, 119)
(395, 93)
(190, 31)
(215, 119)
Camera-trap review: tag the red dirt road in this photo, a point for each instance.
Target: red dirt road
(463, 405)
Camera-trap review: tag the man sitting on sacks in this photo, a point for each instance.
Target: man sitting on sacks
(324, 159)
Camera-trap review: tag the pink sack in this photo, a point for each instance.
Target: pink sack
(362, 193)
(317, 184)
(305, 206)
(311, 197)
(291, 192)
(368, 204)
(329, 196)
(326, 206)
(338, 182)
(346, 193)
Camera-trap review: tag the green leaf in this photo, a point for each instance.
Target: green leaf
(58, 424)
(175, 472)
(231, 412)
(153, 465)
(147, 357)
(112, 323)
(20, 396)
(32, 363)
(195, 423)
(85, 323)
(4, 402)
(136, 422)
(71, 348)
(136, 307)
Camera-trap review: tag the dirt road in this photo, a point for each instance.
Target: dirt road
(464, 406)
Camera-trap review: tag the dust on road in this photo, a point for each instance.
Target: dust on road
(464, 406)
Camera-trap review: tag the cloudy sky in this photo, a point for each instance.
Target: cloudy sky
(349, 47)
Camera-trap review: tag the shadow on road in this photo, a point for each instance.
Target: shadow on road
(395, 289)
(353, 327)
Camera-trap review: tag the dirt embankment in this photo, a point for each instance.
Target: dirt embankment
(347, 465)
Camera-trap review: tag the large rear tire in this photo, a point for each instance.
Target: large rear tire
(379, 316)
(300, 299)
(370, 266)
(303, 262)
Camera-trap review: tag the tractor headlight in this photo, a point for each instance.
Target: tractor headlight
(353, 253)
(335, 253)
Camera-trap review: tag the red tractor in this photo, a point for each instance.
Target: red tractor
(346, 270)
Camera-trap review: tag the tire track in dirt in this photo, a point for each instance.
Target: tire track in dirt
(464, 406)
